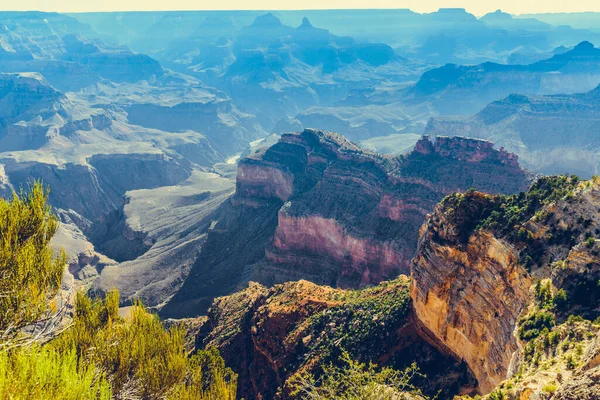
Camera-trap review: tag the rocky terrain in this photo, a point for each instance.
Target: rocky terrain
(89, 149)
(67, 52)
(445, 35)
(272, 336)
(567, 124)
(504, 285)
(477, 260)
(274, 70)
(315, 206)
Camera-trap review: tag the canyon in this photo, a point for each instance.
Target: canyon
(469, 298)
(315, 206)
(297, 187)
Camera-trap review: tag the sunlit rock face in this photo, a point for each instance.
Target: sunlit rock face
(473, 276)
(316, 206)
(468, 295)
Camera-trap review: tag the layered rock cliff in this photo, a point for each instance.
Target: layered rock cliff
(503, 303)
(468, 294)
(478, 257)
(316, 206)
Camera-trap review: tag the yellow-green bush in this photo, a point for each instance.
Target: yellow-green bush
(29, 275)
(43, 373)
(357, 381)
(101, 355)
(140, 357)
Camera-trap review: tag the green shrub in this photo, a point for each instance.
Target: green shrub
(532, 325)
(550, 388)
(560, 300)
(43, 373)
(543, 294)
(571, 363)
(553, 338)
(30, 274)
(356, 381)
(497, 395)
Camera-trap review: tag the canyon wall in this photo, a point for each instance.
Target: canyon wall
(272, 336)
(315, 206)
(468, 294)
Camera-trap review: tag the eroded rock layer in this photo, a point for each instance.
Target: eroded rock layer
(478, 258)
(469, 294)
(315, 206)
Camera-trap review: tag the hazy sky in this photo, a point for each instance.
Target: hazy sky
(478, 7)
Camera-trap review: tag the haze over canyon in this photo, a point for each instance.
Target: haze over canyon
(296, 193)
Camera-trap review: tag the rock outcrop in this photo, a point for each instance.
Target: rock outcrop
(492, 284)
(478, 258)
(270, 336)
(316, 206)
(468, 294)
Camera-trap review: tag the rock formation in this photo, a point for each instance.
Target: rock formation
(92, 154)
(315, 206)
(468, 295)
(270, 336)
(478, 257)
(486, 290)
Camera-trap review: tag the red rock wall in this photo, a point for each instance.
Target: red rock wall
(316, 235)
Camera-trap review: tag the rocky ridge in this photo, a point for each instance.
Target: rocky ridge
(273, 336)
(567, 123)
(465, 89)
(316, 206)
(506, 286)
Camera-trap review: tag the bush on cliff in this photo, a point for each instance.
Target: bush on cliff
(29, 274)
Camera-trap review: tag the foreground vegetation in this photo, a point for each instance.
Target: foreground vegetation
(355, 380)
(98, 355)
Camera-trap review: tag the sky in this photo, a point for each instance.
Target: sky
(477, 7)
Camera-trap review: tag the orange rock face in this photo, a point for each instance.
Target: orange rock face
(469, 296)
